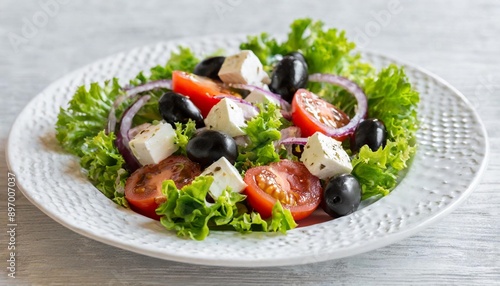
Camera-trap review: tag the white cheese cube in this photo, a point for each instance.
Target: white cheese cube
(154, 143)
(226, 116)
(225, 175)
(324, 156)
(244, 67)
(257, 96)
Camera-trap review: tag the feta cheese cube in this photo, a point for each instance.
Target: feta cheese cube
(244, 67)
(226, 116)
(154, 143)
(257, 96)
(324, 156)
(225, 175)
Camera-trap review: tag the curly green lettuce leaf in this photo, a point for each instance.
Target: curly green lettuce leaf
(119, 199)
(187, 213)
(323, 49)
(86, 115)
(392, 100)
(281, 220)
(248, 222)
(185, 210)
(263, 132)
(104, 164)
(183, 133)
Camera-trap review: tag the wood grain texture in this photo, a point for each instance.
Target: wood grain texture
(458, 40)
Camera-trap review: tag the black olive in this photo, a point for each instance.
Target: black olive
(369, 132)
(175, 107)
(209, 146)
(341, 195)
(288, 76)
(209, 67)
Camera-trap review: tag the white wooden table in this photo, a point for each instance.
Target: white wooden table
(458, 40)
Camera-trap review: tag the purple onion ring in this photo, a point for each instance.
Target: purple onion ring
(122, 137)
(293, 140)
(356, 91)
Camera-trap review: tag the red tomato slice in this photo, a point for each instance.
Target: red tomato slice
(313, 114)
(200, 90)
(143, 187)
(287, 181)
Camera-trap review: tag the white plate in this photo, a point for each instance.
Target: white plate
(451, 156)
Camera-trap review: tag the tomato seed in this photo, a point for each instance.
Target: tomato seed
(267, 182)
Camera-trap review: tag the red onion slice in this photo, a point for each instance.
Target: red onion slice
(110, 127)
(131, 92)
(294, 140)
(356, 91)
(122, 137)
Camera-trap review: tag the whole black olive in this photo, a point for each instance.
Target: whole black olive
(288, 76)
(209, 67)
(371, 132)
(341, 195)
(175, 107)
(209, 146)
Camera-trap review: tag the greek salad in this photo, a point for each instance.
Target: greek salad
(257, 140)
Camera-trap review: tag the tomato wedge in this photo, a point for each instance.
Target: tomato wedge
(287, 181)
(143, 187)
(200, 90)
(313, 114)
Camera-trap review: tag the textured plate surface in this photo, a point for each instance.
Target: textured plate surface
(450, 158)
